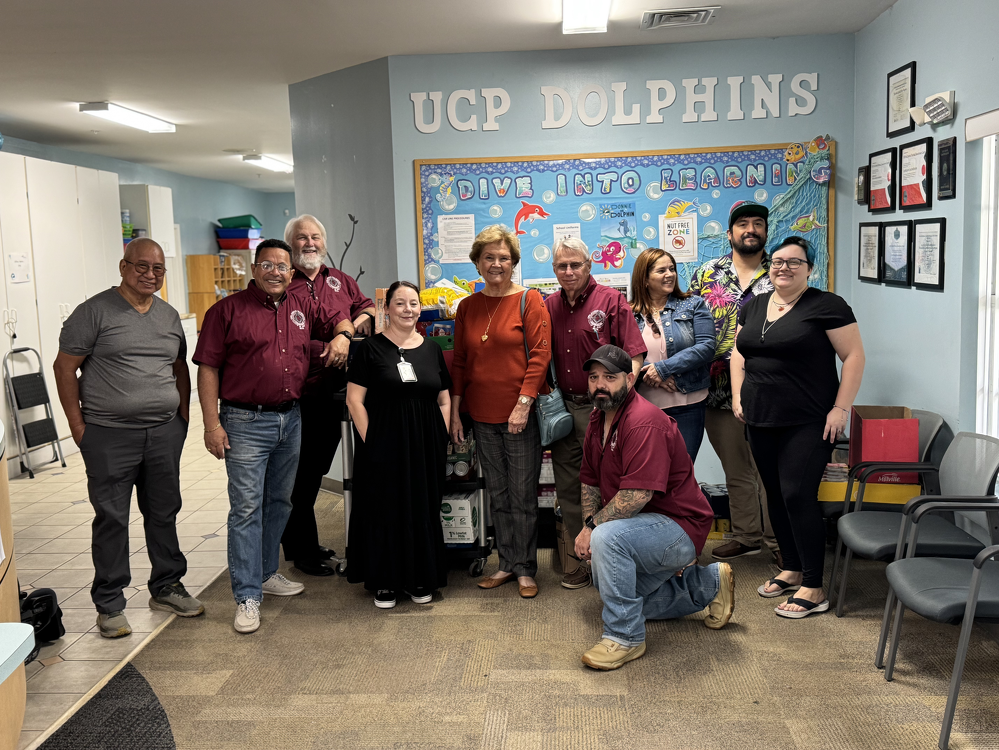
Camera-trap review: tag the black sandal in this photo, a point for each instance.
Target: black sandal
(785, 588)
(811, 608)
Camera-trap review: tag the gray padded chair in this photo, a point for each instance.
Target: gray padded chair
(943, 590)
(873, 534)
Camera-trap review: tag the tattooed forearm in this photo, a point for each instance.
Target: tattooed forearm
(590, 501)
(625, 504)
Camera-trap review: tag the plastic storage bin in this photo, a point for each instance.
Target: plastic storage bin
(238, 222)
(237, 234)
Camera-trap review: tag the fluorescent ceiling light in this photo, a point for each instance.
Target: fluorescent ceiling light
(585, 16)
(123, 116)
(267, 162)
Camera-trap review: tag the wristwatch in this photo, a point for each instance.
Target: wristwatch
(348, 334)
(589, 523)
(524, 400)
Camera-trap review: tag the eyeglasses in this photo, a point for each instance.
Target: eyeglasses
(143, 268)
(266, 266)
(563, 267)
(793, 263)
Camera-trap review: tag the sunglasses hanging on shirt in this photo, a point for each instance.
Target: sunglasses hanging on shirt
(406, 371)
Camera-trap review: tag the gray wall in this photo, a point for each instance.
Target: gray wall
(342, 144)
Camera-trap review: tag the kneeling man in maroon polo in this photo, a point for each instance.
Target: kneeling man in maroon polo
(646, 517)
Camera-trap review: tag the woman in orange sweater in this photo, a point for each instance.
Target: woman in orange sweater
(497, 381)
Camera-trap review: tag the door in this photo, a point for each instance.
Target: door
(58, 259)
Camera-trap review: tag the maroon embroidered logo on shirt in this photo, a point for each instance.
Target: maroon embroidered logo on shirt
(298, 319)
(333, 283)
(596, 319)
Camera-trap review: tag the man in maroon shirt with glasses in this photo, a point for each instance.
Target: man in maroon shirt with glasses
(254, 352)
(323, 398)
(646, 517)
(585, 315)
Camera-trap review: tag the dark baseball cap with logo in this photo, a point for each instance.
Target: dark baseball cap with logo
(747, 209)
(614, 358)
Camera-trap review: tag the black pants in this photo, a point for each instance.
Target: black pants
(791, 461)
(321, 417)
(148, 459)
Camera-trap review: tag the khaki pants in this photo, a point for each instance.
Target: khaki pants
(567, 457)
(747, 500)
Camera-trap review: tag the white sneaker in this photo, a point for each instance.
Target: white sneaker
(247, 616)
(278, 585)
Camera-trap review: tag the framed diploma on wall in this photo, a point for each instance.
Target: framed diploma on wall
(881, 177)
(928, 239)
(915, 184)
(901, 96)
(869, 262)
(947, 168)
(896, 255)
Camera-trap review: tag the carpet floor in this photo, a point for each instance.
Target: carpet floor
(489, 670)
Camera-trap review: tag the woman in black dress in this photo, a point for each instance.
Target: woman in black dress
(397, 394)
(785, 387)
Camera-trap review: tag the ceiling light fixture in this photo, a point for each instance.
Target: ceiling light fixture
(585, 16)
(129, 117)
(268, 162)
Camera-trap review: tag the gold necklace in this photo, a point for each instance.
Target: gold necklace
(779, 309)
(485, 335)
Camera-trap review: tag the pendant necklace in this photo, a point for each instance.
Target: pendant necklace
(485, 334)
(780, 308)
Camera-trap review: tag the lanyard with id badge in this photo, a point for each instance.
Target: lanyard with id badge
(406, 370)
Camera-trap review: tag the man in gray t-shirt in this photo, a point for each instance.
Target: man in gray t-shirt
(128, 412)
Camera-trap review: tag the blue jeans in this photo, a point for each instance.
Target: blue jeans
(261, 462)
(634, 563)
(690, 422)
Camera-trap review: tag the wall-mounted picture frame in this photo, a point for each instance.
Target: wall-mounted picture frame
(929, 238)
(869, 257)
(896, 253)
(946, 169)
(915, 175)
(901, 96)
(881, 178)
(860, 188)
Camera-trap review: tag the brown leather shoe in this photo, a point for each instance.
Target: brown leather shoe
(528, 592)
(577, 579)
(491, 583)
(733, 549)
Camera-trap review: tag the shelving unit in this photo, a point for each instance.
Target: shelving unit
(212, 277)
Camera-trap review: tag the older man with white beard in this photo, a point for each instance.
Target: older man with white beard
(322, 400)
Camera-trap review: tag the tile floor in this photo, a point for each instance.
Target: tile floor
(52, 517)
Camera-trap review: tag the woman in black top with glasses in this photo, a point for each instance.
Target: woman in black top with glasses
(786, 388)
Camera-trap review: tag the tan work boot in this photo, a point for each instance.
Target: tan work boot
(723, 605)
(609, 654)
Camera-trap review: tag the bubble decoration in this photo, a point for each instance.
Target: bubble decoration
(542, 254)
(432, 272)
(704, 209)
(760, 195)
(495, 211)
(434, 180)
(649, 233)
(653, 191)
(548, 196)
(713, 227)
(587, 212)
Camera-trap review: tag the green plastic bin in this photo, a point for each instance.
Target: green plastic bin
(238, 222)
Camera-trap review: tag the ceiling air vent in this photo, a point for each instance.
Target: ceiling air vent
(655, 19)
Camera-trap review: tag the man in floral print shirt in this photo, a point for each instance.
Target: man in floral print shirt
(726, 284)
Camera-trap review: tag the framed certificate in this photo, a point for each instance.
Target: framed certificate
(881, 181)
(896, 255)
(869, 263)
(946, 168)
(860, 192)
(901, 96)
(915, 184)
(928, 238)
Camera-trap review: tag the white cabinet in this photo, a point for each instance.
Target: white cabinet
(151, 208)
(100, 228)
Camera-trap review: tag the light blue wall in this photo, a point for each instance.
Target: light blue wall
(922, 346)
(523, 73)
(196, 202)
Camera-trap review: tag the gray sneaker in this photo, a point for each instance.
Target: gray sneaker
(174, 598)
(113, 624)
(278, 585)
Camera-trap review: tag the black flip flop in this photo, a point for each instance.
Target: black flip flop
(811, 608)
(785, 588)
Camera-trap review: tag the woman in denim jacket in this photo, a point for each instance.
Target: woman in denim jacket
(680, 336)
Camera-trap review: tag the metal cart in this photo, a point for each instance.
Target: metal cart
(26, 392)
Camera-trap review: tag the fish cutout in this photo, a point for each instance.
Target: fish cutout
(806, 223)
(468, 286)
(818, 144)
(528, 212)
(611, 255)
(679, 207)
(795, 152)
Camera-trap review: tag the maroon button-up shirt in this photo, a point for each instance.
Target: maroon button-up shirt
(645, 451)
(336, 293)
(600, 316)
(260, 349)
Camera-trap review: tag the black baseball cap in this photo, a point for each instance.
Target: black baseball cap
(747, 209)
(614, 358)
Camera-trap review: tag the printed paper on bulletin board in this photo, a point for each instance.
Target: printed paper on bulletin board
(619, 204)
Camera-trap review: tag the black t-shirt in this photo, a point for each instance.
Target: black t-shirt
(791, 373)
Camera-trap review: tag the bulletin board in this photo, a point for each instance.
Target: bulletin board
(620, 204)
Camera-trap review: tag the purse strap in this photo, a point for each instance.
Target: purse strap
(551, 363)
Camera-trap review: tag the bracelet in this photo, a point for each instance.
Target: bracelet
(213, 428)
(837, 406)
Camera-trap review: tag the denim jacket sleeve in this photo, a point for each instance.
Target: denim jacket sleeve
(702, 352)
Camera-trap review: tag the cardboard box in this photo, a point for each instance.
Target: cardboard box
(460, 536)
(885, 433)
(459, 511)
